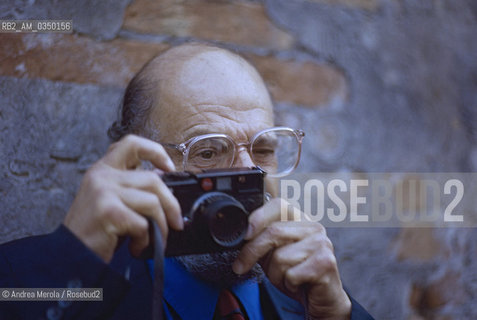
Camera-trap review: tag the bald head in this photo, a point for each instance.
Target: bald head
(183, 78)
(193, 72)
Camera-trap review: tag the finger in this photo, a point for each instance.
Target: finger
(150, 181)
(275, 210)
(123, 221)
(318, 269)
(129, 151)
(139, 241)
(275, 235)
(294, 254)
(146, 204)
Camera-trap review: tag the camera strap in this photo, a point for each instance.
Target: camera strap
(158, 281)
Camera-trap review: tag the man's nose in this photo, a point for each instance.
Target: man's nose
(243, 159)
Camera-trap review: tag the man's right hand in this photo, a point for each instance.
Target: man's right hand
(115, 199)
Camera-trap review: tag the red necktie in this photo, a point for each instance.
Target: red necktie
(228, 307)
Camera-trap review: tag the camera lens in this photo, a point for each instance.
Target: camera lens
(226, 218)
(228, 225)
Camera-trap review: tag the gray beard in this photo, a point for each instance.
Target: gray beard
(216, 268)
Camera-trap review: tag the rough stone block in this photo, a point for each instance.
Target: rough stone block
(303, 83)
(239, 22)
(74, 58)
(51, 133)
(446, 290)
(419, 244)
(370, 5)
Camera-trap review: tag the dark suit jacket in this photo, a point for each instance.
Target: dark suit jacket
(60, 260)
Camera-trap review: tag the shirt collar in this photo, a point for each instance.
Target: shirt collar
(249, 295)
(193, 298)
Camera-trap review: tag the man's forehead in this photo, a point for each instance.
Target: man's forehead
(209, 90)
(213, 77)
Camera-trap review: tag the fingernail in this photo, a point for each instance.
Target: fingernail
(249, 232)
(181, 222)
(159, 172)
(238, 267)
(171, 165)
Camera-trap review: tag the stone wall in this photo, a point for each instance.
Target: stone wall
(378, 85)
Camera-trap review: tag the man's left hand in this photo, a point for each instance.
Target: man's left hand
(297, 257)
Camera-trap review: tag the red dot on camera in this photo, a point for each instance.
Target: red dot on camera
(207, 184)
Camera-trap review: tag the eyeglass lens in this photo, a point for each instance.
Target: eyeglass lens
(210, 153)
(274, 152)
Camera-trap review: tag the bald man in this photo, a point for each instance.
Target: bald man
(182, 102)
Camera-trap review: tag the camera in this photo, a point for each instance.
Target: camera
(215, 207)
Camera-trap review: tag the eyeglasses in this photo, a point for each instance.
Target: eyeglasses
(275, 150)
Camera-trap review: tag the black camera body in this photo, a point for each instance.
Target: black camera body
(215, 207)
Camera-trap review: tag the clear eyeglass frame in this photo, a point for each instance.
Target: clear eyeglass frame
(185, 147)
